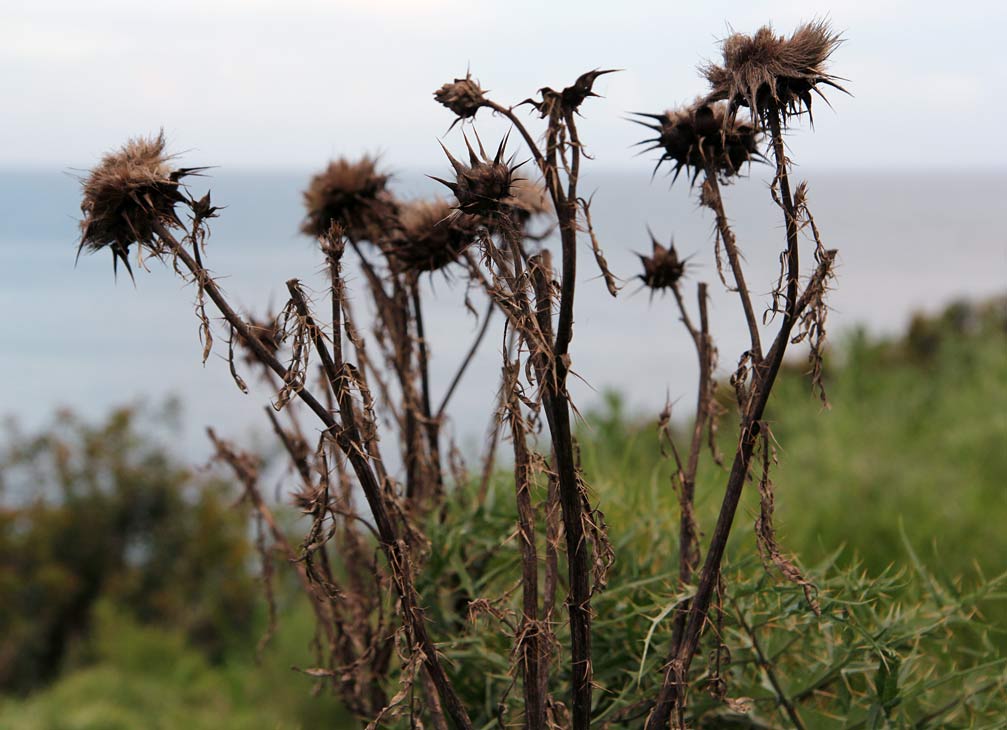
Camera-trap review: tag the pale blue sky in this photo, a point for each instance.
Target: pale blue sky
(252, 83)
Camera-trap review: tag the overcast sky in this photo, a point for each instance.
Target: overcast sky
(254, 83)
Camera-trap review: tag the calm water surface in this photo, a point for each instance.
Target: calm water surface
(73, 337)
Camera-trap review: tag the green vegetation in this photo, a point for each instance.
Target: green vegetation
(893, 500)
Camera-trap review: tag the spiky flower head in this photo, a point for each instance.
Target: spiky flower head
(462, 96)
(701, 136)
(431, 235)
(484, 184)
(766, 71)
(663, 268)
(128, 195)
(351, 194)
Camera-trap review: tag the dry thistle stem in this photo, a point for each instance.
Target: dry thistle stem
(351, 194)
(764, 70)
(701, 136)
(663, 268)
(483, 185)
(462, 96)
(128, 194)
(430, 235)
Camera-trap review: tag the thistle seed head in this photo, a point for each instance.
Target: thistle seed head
(464, 97)
(663, 268)
(766, 70)
(128, 195)
(483, 185)
(430, 235)
(701, 135)
(527, 199)
(352, 195)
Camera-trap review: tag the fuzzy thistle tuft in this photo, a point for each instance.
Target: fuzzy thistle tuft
(351, 194)
(430, 235)
(701, 135)
(484, 185)
(462, 96)
(128, 195)
(766, 70)
(663, 268)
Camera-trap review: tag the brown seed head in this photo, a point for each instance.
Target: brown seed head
(483, 185)
(662, 269)
(702, 135)
(431, 235)
(127, 195)
(463, 96)
(351, 194)
(527, 199)
(766, 70)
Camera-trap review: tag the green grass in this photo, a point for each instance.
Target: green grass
(148, 677)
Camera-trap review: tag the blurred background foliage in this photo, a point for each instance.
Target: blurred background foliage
(129, 597)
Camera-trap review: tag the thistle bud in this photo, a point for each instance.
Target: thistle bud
(662, 269)
(464, 97)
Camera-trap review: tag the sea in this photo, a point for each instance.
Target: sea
(73, 336)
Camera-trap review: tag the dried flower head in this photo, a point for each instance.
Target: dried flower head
(462, 96)
(527, 199)
(700, 136)
(764, 70)
(484, 184)
(351, 194)
(663, 268)
(128, 195)
(430, 236)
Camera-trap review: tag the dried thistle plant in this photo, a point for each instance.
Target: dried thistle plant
(774, 76)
